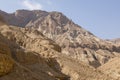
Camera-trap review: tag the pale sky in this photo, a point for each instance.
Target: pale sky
(101, 17)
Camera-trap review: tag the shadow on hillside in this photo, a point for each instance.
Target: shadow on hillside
(2, 21)
(52, 63)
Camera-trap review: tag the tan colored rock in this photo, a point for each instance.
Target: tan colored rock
(112, 68)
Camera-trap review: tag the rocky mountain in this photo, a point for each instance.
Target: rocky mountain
(74, 41)
(116, 41)
(40, 45)
(26, 54)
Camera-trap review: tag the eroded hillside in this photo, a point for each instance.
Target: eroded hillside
(74, 41)
(27, 54)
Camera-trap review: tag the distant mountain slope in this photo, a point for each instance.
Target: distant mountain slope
(116, 41)
(75, 41)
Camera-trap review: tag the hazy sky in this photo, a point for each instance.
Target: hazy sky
(101, 17)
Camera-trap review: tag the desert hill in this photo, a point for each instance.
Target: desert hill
(27, 54)
(75, 41)
(40, 45)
